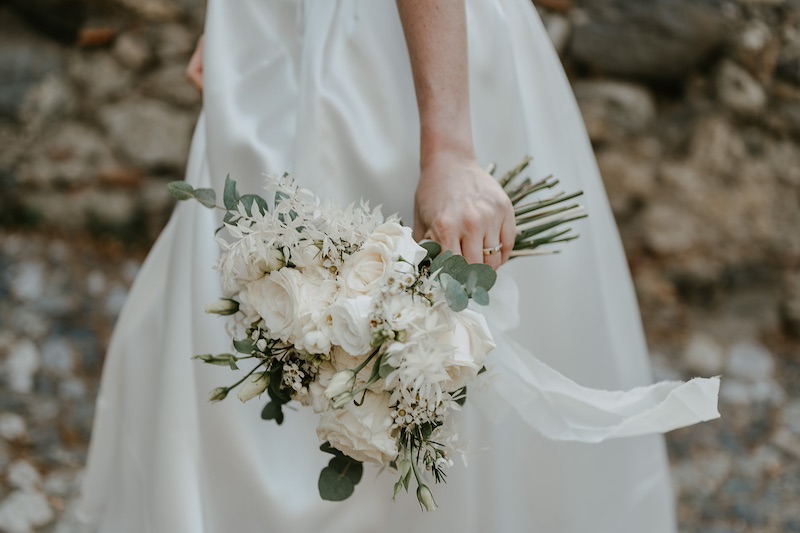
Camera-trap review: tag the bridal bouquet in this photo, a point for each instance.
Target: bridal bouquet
(341, 310)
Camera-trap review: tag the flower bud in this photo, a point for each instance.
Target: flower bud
(341, 382)
(218, 394)
(337, 402)
(223, 307)
(253, 386)
(425, 497)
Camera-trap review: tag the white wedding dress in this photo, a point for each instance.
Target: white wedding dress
(323, 89)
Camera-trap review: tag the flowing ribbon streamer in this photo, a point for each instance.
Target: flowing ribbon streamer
(561, 409)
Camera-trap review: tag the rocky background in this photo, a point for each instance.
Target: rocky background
(694, 110)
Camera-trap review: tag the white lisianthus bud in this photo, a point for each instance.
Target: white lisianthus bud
(341, 382)
(224, 306)
(253, 386)
(425, 497)
(218, 394)
(337, 402)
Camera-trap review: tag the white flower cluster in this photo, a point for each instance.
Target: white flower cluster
(341, 307)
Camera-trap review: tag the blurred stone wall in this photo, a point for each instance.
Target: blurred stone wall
(693, 107)
(95, 112)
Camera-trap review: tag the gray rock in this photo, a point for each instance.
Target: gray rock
(738, 90)
(790, 303)
(100, 76)
(702, 476)
(659, 39)
(71, 154)
(149, 132)
(58, 356)
(763, 462)
(668, 229)
(613, 109)
(60, 19)
(750, 362)
(132, 50)
(25, 60)
(22, 511)
(704, 355)
(630, 178)
(28, 282)
(95, 283)
(169, 84)
(175, 41)
(12, 427)
(21, 365)
(791, 416)
(115, 300)
(736, 391)
(24, 476)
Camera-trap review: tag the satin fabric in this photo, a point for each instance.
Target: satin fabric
(323, 89)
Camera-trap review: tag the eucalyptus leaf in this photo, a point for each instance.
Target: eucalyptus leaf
(347, 466)
(207, 197)
(455, 294)
(454, 265)
(245, 346)
(327, 448)
(180, 190)
(483, 275)
(334, 487)
(273, 411)
(440, 259)
(432, 248)
(480, 296)
(230, 196)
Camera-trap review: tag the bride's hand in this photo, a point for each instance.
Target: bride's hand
(463, 208)
(194, 70)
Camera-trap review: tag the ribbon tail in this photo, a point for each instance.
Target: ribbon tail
(561, 409)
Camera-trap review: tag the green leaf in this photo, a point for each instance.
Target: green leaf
(232, 364)
(249, 199)
(347, 466)
(180, 190)
(230, 196)
(385, 368)
(480, 296)
(245, 346)
(478, 274)
(207, 197)
(334, 487)
(273, 411)
(327, 448)
(440, 259)
(222, 359)
(454, 292)
(454, 265)
(432, 248)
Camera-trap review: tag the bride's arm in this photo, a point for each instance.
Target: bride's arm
(457, 204)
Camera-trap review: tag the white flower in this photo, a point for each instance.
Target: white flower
(224, 306)
(364, 271)
(350, 324)
(362, 432)
(425, 498)
(341, 382)
(473, 341)
(306, 254)
(398, 239)
(278, 299)
(253, 386)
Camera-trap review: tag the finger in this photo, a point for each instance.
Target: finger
(472, 247)
(490, 241)
(508, 234)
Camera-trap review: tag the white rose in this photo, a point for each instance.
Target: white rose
(350, 324)
(306, 254)
(253, 386)
(472, 341)
(278, 299)
(362, 432)
(363, 272)
(398, 239)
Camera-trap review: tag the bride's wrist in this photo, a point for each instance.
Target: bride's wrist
(437, 145)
